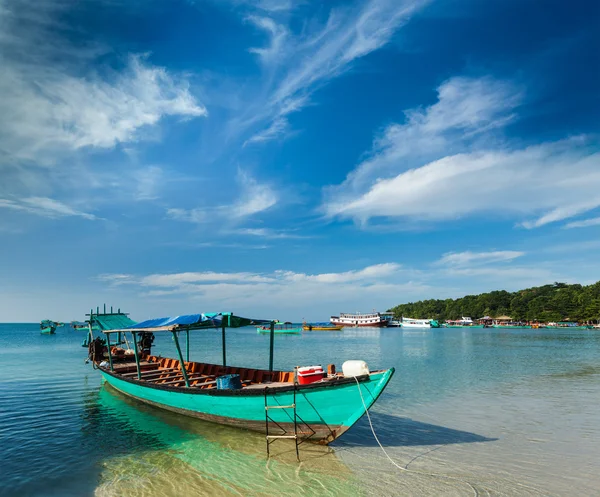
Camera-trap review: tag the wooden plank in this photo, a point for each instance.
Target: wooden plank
(154, 372)
(179, 380)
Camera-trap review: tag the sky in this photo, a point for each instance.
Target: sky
(293, 159)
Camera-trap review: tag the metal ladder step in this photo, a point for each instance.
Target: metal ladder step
(284, 435)
(293, 406)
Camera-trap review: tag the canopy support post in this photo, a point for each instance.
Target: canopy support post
(224, 344)
(181, 363)
(137, 357)
(271, 345)
(109, 353)
(187, 345)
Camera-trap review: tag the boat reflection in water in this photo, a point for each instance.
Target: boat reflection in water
(149, 451)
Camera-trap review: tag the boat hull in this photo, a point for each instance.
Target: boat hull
(380, 324)
(322, 328)
(327, 409)
(48, 330)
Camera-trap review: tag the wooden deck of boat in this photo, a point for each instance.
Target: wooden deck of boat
(166, 371)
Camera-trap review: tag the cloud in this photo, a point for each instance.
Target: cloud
(300, 63)
(268, 233)
(282, 289)
(63, 102)
(48, 112)
(586, 223)
(197, 215)
(254, 198)
(277, 34)
(317, 295)
(148, 180)
(410, 177)
(466, 109)
(468, 258)
(45, 207)
(277, 128)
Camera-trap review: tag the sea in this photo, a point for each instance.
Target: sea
(469, 412)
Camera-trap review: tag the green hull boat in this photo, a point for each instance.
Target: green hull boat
(282, 331)
(303, 404)
(48, 327)
(327, 408)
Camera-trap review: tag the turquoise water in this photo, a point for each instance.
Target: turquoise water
(469, 412)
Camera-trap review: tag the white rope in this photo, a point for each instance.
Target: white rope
(394, 462)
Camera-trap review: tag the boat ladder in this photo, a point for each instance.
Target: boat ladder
(285, 434)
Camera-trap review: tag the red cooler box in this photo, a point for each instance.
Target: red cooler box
(310, 374)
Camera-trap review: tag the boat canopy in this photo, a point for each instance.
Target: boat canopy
(106, 322)
(190, 322)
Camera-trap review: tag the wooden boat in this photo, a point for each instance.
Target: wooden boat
(319, 411)
(47, 327)
(321, 327)
(280, 329)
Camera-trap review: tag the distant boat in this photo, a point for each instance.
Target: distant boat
(280, 329)
(321, 327)
(47, 327)
(373, 320)
(419, 323)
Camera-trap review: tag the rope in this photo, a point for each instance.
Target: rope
(403, 468)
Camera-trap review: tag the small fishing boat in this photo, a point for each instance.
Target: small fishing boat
(306, 403)
(280, 329)
(47, 327)
(321, 327)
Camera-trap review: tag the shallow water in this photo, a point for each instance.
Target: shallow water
(468, 412)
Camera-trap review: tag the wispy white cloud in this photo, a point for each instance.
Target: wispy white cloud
(586, 223)
(148, 180)
(468, 258)
(285, 289)
(370, 273)
(466, 109)
(269, 233)
(254, 198)
(197, 215)
(277, 34)
(63, 102)
(45, 207)
(484, 177)
(300, 63)
(49, 112)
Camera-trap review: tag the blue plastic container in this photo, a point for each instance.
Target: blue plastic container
(229, 382)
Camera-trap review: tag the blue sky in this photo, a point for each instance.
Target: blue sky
(293, 159)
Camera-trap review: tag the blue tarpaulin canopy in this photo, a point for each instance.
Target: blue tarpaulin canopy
(192, 321)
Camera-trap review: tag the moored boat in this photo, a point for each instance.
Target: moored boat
(305, 403)
(47, 327)
(280, 329)
(419, 323)
(372, 320)
(321, 327)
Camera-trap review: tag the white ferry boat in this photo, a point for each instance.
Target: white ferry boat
(419, 323)
(372, 320)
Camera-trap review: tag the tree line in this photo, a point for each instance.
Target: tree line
(548, 303)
